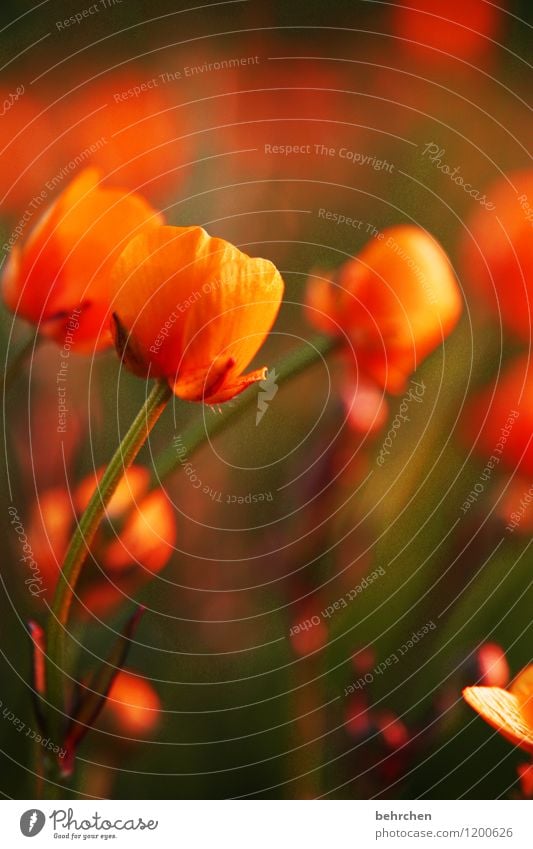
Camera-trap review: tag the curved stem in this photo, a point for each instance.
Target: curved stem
(84, 534)
(200, 431)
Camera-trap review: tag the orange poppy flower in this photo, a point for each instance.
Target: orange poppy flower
(396, 302)
(497, 252)
(140, 545)
(508, 711)
(193, 309)
(133, 704)
(59, 278)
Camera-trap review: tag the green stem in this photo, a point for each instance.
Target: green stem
(81, 541)
(200, 431)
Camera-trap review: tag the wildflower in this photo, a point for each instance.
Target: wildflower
(194, 310)
(395, 303)
(59, 278)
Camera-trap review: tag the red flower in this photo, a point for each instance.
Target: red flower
(396, 302)
(193, 309)
(497, 253)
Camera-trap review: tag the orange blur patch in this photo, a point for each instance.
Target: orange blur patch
(497, 253)
(493, 667)
(132, 486)
(499, 418)
(141, 127)
(138, 545)
(133, 704)
(148, 536)
(461, 28)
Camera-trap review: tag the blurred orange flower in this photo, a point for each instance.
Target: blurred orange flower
(23, 160)
(130, 121)
(493, 669)
(499, 418)
(59, 278)
(497, 253)
(193, 309)
(462, 28)
(396, 302)
(508, 711)
(137, 542)
(133, 704)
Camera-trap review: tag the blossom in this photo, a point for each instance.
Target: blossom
(395, 302)
(59, 278)
(194, 310)
(508, 711)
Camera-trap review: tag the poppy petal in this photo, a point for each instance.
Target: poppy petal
(501, 709)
